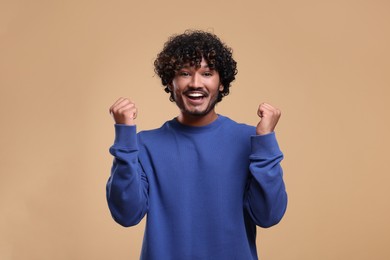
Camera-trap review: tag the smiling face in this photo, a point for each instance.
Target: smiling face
(195, 90)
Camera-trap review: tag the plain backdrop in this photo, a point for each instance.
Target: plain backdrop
(325, 64)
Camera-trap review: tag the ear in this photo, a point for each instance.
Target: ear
(220, 87)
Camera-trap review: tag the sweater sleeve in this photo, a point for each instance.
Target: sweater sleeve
(266, 197)
(127, 187)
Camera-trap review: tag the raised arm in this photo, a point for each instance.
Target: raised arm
(127, 187)
(266, 197)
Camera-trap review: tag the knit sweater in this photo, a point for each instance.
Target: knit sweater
(203, 189)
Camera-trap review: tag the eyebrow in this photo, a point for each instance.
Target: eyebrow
(186, 66)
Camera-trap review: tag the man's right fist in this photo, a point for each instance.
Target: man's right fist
(124, 111)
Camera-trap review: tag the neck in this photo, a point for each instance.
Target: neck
(194, 120)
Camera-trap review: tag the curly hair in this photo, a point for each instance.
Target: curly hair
(190, 48)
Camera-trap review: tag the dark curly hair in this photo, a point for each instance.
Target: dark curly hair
(189, 48)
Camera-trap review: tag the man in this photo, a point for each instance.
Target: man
(203, 180)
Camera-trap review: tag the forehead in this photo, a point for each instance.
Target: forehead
(203, 64)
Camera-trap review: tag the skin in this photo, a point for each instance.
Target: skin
(187, 85)
(195, 91)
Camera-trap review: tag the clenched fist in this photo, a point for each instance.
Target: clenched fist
(269, 117)
(124, 111)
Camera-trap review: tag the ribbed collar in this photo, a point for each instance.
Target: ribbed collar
(175, 124)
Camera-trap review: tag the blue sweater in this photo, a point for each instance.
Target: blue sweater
(204, 189)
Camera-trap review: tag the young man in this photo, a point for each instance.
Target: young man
(203, 180)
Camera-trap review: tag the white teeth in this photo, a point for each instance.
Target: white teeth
(195, 95)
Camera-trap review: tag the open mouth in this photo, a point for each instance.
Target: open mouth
(196, 95)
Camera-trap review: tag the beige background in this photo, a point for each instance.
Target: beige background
(324, 63)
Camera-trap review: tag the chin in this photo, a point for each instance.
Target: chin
(198, 113)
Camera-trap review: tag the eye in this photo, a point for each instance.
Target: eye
(207, 74)
(184, 73)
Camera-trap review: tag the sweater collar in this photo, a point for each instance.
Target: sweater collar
(174, 123)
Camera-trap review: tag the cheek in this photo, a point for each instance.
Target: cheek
(178, 86)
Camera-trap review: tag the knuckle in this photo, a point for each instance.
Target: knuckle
(121, 110)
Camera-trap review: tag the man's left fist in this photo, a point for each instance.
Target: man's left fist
(269, 117)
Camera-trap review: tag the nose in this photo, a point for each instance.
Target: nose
(196, 81)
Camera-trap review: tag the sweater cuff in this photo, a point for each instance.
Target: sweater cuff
(265, 145)
(126, 136)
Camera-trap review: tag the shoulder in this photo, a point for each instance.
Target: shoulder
(156, 133)
(243, 128)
